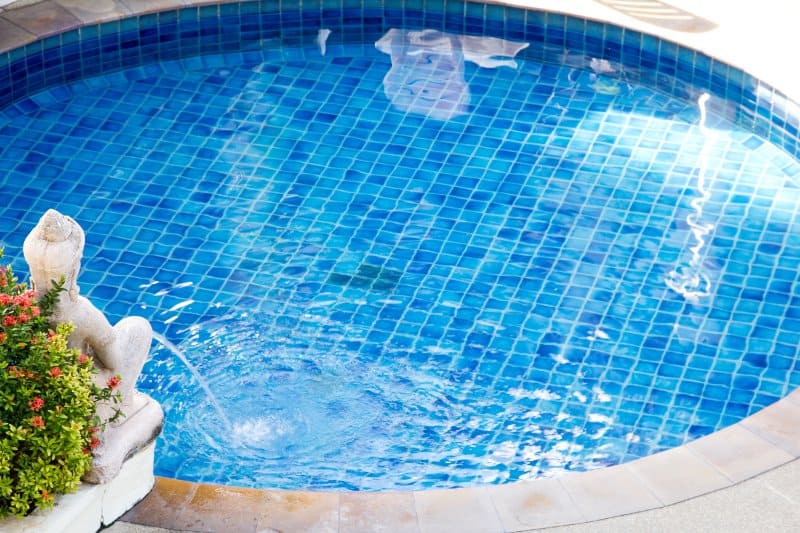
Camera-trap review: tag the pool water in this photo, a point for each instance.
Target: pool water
(368, 277)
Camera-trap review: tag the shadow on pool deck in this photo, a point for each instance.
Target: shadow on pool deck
(661, 14)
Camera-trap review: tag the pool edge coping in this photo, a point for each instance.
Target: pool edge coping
(755, 445)
(758, 444)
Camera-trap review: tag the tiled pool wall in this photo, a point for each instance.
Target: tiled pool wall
(245, 26)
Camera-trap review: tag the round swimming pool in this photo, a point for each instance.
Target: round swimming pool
(418, 255)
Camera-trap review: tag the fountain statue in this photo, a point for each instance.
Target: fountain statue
(53, 251)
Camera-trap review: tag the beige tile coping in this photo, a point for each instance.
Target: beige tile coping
(756, 37)
(759, 443)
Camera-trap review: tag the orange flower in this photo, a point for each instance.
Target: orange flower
(55, 372)
(37, 421)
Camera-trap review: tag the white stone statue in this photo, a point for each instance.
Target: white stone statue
(53, 250)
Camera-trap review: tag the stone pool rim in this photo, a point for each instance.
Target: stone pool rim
(758, 443)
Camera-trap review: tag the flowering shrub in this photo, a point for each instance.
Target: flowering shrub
(48, 425)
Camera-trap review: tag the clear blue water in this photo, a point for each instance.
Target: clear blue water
(558, 269)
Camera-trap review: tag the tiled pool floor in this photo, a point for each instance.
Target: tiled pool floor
(724, 460)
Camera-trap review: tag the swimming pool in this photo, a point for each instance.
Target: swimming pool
(517, 258)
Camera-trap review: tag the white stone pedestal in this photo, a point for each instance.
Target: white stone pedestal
(92, 506)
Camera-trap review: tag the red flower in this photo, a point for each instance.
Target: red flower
(23, 317)
(5, 299)
(9, 321)
(94, 443)
(113, 381)
(37, 421)
(83, 358)
(36, 404)
(22, 300)
(55, 372)
(35, 311)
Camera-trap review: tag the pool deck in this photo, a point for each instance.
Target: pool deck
(743, 478)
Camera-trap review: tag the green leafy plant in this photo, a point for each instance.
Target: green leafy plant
(48, 401)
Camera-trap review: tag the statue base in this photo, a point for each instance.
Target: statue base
(125, 439)
(93, 506)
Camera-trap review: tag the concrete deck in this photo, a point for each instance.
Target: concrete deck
(743, 478)
(767, 503)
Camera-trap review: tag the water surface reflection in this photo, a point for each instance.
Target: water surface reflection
(427, 73)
